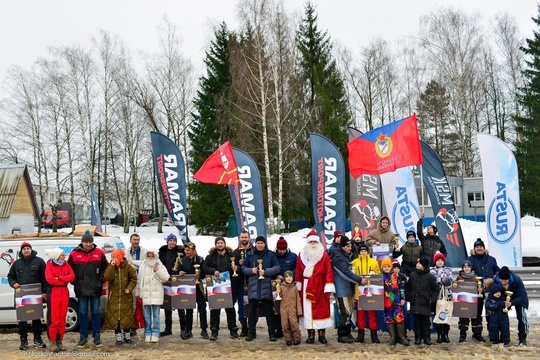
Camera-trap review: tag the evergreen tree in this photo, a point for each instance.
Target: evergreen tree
(210, 205)
(527, 150)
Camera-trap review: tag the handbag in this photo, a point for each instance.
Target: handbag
(443, 308)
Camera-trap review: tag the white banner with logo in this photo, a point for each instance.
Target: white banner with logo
(501, 200)
(401, 201)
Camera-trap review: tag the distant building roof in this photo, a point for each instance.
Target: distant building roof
(16, 190)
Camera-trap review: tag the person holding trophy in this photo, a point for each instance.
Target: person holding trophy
(518, 298)
(217, 261)
(240, 253)
(170, 256)
(260, 267)
(290, 309)
(365, 265)
(499, 324)
(287, 261)
(190, 264)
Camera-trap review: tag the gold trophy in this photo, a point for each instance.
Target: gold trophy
(508, 296)
(232, 264)
(396, 241)
(368, 278)
(197, 266)
(278, 286)
(260, 261)
(480, 281)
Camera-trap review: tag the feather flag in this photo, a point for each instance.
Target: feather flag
(219, 168)
(386, 148)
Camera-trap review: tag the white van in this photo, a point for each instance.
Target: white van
(9, 252)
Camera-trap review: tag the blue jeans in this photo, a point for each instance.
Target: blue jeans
(83, 315)
(151, 320)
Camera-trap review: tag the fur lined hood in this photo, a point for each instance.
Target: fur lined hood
(213, 249)
(486, 252)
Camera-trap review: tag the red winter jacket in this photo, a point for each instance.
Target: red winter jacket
(89, 267)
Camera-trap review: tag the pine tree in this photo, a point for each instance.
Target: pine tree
(527, 150)
(210, 205)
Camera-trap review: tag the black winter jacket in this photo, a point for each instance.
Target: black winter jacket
(421, 291)
(28, 271)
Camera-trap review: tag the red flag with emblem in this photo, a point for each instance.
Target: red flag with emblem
(219, 168)
(386, 148)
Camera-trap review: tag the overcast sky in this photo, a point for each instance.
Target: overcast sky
(29, 27)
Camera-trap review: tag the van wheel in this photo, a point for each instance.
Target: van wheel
(72, 316)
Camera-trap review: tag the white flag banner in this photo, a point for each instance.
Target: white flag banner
(401, 201)
(501, 200)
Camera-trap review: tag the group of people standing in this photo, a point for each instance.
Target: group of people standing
(307, 281)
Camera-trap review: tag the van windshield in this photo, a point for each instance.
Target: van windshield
(48, 217)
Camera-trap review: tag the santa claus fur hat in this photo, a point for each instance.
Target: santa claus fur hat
(312, 236)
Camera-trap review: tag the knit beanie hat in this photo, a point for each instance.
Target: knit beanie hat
(396, 264)
(337, 233)
(493, 288)
(282, 244)
(219, 238)
(439, 255)
(386, 262)
(363, 247)
(434, 229)
(312, 236)
(466, 263)
(288, 273)
(260, 238)
(345, 241)
(424, 262)
(87, 237)
(504, 273)
(54, 253)
(26, 244)
(411, 233)
(479, 242)
(171, 237)
(118, 255)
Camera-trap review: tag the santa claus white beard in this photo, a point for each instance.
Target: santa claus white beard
(313, 251)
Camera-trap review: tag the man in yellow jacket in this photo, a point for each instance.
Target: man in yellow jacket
(365, 265)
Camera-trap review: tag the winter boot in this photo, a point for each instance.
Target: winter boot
(82, 341)
(522, 340)
(204, 334)
(24, 343)
(344, 334)
(244, 331)
(234, 333)
(127, 337)
(60, 345)
(374, 337)
(168, 327)
(310, 336)
(251, 336)
(438, 328)
(446, 330)
(38, 343)
(400, 333)
(322, 336)
(361, 336)
(118, 337)
(54, 346)
(463, 336)
(426, 334)
(392, 333)
(417, 335)
(479, 337)
(214, 334)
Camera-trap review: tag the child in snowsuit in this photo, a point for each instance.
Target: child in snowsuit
(498, 325)
(394, 299)
(290, 310)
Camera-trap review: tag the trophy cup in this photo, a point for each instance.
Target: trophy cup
(278, 286)
(260, 261)
(508, 296)
(197, 266)
(480, 281)
(396, 241)
(232, 264)
(368, 285)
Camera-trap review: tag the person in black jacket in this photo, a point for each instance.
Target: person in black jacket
(431, 242)
(170, 256)
(29, 269)
(421, 291)
(187, 267)
(240, 254)
(217, 261)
